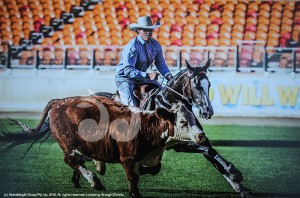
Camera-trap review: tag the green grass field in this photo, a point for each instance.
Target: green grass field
(269, 158)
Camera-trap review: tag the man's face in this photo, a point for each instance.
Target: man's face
(146, 34)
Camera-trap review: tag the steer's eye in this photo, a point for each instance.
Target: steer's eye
(183, 123)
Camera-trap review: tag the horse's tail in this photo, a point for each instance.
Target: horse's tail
(27, 134)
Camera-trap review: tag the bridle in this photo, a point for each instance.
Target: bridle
(184, 97)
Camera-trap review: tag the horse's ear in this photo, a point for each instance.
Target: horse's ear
(206, 65)
(203, 68)
(189, 67)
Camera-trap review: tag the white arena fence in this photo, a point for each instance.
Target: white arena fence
(247, 80)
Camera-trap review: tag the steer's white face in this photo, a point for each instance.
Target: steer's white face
(185, 125)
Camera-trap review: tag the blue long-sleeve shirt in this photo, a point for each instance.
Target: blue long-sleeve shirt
(134, 63)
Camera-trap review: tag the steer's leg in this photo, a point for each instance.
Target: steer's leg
(76, 162)
(91, 177)
(143, 170)
(75, 179)
(131, 170)
(100, 166)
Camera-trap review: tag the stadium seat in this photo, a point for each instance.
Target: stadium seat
(187, 42)
(171, 59)
(200, 41)
(261, 36)
(274, 27)
(27, 57)
(213, 42)
(275, 20)
(220, 59)
(266, 7)
(110, 57)
(277, 6)
(59, 56)
(229, 6)
(224, 42)
(239, 20)
(249, 35)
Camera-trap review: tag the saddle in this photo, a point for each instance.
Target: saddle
(145, 94)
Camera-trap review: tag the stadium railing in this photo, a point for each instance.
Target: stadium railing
(242, 58)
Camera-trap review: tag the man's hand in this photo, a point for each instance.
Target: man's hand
(169, 77)
(153, 75)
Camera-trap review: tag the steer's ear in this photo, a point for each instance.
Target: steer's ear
(165, 114)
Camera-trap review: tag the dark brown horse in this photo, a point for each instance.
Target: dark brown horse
(191, 86)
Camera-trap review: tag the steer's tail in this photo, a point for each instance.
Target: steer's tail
(26, 134)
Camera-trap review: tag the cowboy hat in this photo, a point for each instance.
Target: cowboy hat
(144, 22)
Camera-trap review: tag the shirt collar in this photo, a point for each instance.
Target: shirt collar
(142, 40)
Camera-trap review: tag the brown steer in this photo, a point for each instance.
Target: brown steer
(101, 129)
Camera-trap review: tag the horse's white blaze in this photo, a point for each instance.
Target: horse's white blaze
(87, 174)
(205, 85)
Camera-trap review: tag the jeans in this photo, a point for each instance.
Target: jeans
(126, 87)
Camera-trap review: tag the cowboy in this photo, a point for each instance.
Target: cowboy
(137, 56)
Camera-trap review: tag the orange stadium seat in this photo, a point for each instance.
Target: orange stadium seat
(225, 35)
(261, 36)
(264, 13)
(275, 20)
(225, 42)
(187, 42)
(230, 20)
(171, 58)
(249, 36)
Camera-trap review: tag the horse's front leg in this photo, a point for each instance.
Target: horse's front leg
(238, 187)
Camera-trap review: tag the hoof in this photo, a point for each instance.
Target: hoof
(102, 169)
(235, 175)
(135, 195)
(246, 192)
(98, 185)
(77, 186)
(150, 170)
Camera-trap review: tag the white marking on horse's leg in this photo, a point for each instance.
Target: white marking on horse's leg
(87, 174)
(236, 186)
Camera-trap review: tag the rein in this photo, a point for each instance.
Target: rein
(182, 96)
(176, 92)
